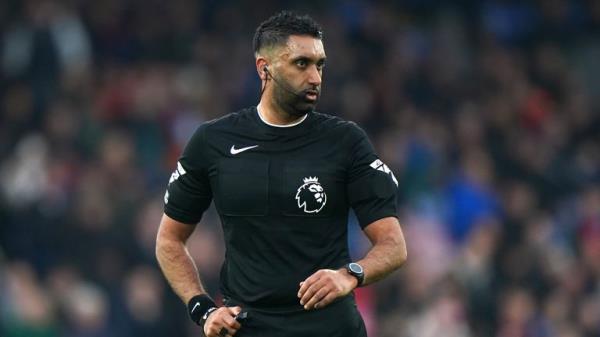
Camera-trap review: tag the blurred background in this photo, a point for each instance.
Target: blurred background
(487, 111)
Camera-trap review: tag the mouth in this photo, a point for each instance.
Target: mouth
(311, 95)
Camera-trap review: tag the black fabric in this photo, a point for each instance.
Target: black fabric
(339, 319)
(198, 306)
(283, 195)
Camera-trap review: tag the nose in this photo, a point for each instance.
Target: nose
(314, 76)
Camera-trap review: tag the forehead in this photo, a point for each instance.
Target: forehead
(303, 45)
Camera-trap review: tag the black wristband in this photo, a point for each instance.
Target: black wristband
(198, 306)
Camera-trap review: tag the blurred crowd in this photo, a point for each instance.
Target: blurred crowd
(488, 111)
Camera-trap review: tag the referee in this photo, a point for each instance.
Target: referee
(283, 178)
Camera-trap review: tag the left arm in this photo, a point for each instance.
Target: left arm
(372, 192)
(387, 254)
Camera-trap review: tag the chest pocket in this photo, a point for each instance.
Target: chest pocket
(312, 192)
(242, 187)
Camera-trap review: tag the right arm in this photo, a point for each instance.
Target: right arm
(188, 196)
(180, 271)
(174, 259)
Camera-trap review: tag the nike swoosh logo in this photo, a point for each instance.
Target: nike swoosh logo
(195, 306)
(235, 151)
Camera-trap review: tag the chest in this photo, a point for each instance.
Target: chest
(302, 180)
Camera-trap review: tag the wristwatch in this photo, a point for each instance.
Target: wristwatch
(357, 271)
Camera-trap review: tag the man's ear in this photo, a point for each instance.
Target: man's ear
(261, 64)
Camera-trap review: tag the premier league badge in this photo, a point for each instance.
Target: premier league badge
(311, 196)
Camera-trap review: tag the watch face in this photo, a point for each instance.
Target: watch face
(355, 268)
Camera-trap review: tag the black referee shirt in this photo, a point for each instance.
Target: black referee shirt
(283, 195)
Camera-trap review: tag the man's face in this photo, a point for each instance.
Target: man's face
(298, 71)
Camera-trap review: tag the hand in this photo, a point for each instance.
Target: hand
(224, 317)
(324, 286)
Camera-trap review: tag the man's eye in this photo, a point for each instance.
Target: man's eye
(301, 63)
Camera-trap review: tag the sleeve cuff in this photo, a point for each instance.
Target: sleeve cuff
(181, 216)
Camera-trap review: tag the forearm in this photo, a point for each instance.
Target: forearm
(381, 260)
(387, 254)
(179, 268)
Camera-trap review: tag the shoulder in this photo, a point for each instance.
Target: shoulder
(339, 127)
(226, 122)
(230, 120)
(210, 132)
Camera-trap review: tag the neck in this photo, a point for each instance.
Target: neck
(274, 115)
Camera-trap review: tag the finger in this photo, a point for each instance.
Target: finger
(304, 285)
(231, 323)
(311, 291)
(308, 282)
(235, 310)
(221, 313)
(222, 318)
(318, 296)
(223, 332)
(213, 331)
(331, 296)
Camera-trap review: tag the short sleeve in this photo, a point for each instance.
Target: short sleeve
(372, 187)
(188, 193)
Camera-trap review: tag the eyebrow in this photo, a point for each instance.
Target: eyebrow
(308, 58)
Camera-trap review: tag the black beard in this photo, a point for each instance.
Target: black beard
(295, 105)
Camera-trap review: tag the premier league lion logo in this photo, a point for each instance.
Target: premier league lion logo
(310, 196)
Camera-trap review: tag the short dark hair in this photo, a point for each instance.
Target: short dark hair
(276, 29)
